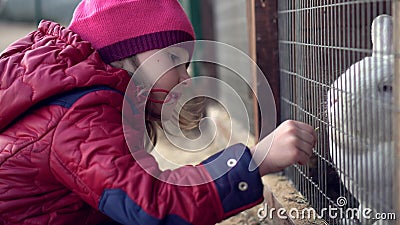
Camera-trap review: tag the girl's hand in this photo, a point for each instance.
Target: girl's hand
(291, 142)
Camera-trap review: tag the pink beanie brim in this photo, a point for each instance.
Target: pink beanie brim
(122, 28)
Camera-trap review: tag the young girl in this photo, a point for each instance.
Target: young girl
(64, 157)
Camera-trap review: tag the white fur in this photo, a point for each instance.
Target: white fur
(359, 111)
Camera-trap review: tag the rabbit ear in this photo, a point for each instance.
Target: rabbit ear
(381, 33)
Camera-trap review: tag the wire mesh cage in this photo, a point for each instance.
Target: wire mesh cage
(336, 69)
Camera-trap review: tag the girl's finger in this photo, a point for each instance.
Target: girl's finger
(305, 136)
(303, 158)
(304, 147)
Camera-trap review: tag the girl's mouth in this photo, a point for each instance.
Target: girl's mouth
(170, 97)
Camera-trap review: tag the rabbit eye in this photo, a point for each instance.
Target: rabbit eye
(385, 88)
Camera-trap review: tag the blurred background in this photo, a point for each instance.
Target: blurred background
(19, 17)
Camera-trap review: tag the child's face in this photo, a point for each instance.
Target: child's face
(158, 75)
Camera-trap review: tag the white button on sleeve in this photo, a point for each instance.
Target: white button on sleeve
(243, 186)
(231, 162)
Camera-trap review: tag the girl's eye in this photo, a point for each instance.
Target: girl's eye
(173, 57)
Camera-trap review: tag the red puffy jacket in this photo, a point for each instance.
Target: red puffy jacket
(63, 154)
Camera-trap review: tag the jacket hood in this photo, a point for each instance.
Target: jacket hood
(47, 62)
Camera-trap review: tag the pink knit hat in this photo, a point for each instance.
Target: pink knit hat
(122, 28)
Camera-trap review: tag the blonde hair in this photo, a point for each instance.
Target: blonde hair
(188, 118)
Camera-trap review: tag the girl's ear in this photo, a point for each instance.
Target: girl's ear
(117, 64)
(382, 35)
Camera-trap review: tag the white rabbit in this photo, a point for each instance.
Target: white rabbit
(359, 112)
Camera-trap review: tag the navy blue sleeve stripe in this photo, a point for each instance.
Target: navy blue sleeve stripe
(68, 99)
(116, 204)
(228, 180)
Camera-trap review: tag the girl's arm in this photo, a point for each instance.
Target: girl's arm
(90, 157)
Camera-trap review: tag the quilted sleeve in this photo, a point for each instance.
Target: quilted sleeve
(91, 158)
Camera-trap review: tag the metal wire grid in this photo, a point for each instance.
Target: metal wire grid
(318, 41)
